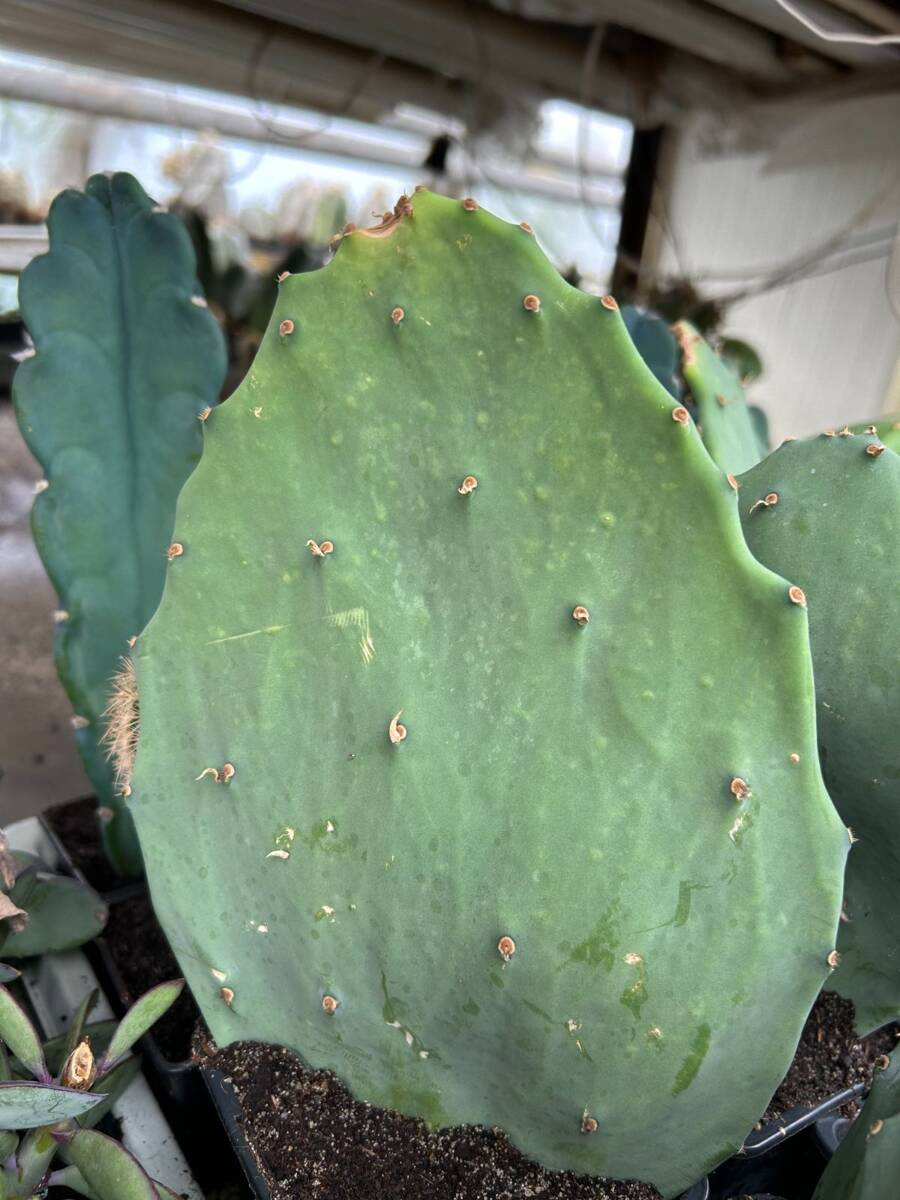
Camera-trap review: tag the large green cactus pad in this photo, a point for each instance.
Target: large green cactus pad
(728, 428)
(576, 789)
(127, 357)
(835, 528)
(867, 1163)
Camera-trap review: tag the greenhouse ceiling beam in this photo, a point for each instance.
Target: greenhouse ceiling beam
(154, 104)
(433, 34)
(227, 49)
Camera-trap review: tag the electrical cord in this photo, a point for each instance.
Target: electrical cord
(852, 39)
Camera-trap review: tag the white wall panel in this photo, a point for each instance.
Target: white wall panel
(830, 343)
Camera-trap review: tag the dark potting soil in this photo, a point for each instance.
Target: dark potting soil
(144, 958)
(830, 1057)
(75, 824)
(313, 1140)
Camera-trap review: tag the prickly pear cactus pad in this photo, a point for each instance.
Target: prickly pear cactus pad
(127, 358)
(655, 343)
(827, 511)
(436, 781)
(728, 429)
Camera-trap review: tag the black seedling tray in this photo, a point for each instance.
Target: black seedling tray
(225, 1102)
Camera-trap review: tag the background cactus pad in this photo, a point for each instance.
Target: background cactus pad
(834, 526)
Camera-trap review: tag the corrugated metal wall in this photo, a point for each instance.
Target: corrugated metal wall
(831, 342)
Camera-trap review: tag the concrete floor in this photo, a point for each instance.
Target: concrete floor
(39, 764)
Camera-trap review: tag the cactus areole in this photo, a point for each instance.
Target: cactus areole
(484, 861)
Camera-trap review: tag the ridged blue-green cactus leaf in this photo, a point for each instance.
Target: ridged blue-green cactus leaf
(127, 358)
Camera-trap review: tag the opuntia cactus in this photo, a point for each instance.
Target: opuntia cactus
(728, 429)
(41, 912)
(127, 360)
(51, 1095)
(826, 511)
(437, 781)
(655, 343)
(866, 1165)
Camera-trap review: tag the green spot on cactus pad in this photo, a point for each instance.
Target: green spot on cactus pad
(835, 531)
(537, 796)
(688, 1071)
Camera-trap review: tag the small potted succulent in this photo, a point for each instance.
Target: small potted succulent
(52, 1095)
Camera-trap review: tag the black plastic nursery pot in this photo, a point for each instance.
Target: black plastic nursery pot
(228, 1107)
(786, 1157)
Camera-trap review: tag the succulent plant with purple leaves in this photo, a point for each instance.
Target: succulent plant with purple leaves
(52, 1094)
(41, 912)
